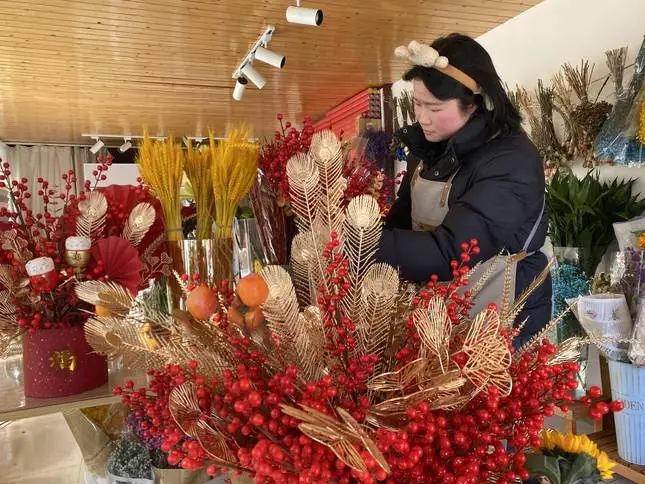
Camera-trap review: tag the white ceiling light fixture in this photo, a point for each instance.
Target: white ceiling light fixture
(97, 146)
(269, 57)
(304, 16)
(240, 86)
(246, 72)
(124, 137)
(127, 144)
(254, 76)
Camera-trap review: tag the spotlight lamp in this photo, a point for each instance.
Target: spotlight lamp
(97, 146)
(127, 144)
(240, 86)
(304, 16)
(246, 72)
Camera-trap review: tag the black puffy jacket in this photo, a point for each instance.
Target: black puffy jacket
(496, 198)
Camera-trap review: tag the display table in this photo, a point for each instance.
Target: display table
(14, 405)
(606, 441)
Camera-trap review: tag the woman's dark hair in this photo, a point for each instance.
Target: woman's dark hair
(466, 54)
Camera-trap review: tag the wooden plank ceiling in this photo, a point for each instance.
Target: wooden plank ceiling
(115, 66)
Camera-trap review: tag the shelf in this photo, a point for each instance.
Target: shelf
(15, 406)
(606, 441)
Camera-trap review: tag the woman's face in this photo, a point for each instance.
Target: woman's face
(440, 120)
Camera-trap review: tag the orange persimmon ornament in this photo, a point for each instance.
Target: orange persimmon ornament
(252, 290)
(201, 302)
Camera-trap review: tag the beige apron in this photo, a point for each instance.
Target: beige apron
(429, 208)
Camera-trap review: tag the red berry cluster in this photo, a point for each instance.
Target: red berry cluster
(364, 177)
(274, 156)
(444, 446)
(42, 234)
(103, 162)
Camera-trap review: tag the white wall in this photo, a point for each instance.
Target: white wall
(537, 42)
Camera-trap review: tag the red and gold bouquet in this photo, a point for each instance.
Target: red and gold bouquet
(355, 376)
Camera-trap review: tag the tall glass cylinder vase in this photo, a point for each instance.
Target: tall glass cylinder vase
(211, 259)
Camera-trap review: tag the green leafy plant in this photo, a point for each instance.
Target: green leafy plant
(582, 211)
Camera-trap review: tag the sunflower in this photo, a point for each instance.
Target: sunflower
(576, 444)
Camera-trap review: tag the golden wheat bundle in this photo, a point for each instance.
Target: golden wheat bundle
(234, 164)
(161, 167)
(197, 165)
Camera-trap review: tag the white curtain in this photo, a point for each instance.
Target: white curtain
(48, 162)
(4, 198)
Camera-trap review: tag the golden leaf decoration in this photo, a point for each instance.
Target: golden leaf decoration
(437, 396)
(398, 381)
(434, 328)
(361, 235)
(507, 286)
(91, 221)
(111, 295)
(489, 357)
(304, 259)
(139, 222)
(368, 443)
(215, 444)
(376, 312)
(327, 154)
(304, 189)
(183, 404)
(343, 439)
(309, 342)
(569, 350)
(509, 319)
(116, 337)
(6, 277)
(281, 306)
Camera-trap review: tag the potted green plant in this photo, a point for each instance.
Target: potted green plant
(582, 211)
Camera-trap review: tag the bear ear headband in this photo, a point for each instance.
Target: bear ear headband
(426, 56)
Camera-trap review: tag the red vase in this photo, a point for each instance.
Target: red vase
(59, 362)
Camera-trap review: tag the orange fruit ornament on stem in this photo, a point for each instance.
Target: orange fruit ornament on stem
(252, 290)
(102, 311)
(201, 302)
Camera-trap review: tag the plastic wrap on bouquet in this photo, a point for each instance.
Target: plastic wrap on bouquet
(636, 352)
(569, 281)
(629, 234)
(617, 140)
(249, 254)
(606, 319)
(93, 429)
(627, 276)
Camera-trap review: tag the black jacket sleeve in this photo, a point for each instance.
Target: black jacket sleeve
(505, 192)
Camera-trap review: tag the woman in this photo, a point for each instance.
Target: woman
(472, 173)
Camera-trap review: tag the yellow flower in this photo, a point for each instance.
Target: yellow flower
(575, 444)
(641, 240)
(641, 129)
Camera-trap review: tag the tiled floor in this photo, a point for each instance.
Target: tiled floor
(42, 450)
